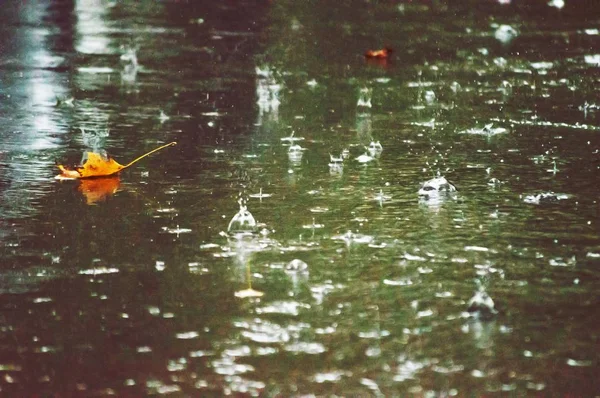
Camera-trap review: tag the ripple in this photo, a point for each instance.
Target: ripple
(476, 249)
(331, 377)
(201, 354)
(305, 348)
(264, 332)
(98, 271)
(398, 282)
(227, 366)
(408, 369)
(374, 334)
(245, 386)
(187, 335)
(283, 307)
(578, 363)
(241, 351)
(177, 230)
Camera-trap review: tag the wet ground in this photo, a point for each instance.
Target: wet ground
(178, 277)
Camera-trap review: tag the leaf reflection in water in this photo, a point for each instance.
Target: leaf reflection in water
(98, 189)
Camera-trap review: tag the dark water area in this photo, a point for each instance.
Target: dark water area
(281, 248)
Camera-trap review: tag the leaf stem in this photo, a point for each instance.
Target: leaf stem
(149, 153)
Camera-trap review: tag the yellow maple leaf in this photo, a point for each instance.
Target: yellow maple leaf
(97, 165)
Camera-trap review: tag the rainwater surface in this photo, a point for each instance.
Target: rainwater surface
(281, 248)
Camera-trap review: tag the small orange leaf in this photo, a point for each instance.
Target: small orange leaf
(380, 54)
(98, 166)
(98, 189)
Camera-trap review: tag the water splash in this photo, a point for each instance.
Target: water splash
(364, 98)
(129, 61)
(505, 34)
(243, 220)
(260, 195)
(436, 188)
(268, 91)
(481, 305)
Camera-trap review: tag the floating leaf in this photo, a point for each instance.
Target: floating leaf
(379, 54)
(97, 165)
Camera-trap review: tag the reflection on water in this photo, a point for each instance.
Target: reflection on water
(427, 225)
(98, 189)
